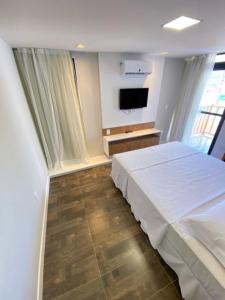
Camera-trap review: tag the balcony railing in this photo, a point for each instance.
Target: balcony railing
(208, 120)
(205, 127)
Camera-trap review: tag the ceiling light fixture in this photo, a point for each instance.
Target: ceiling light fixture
(80, 46)
(181, 23)
(164, 53)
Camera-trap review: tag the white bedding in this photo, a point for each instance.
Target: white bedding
(164, 193)
(208, 226)
(162, 186)
(200, 274)
(128, 162)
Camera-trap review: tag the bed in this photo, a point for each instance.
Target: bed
(126, 163)
(163, 184)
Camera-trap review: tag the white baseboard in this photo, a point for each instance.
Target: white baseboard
(42, 245)
(93, 162)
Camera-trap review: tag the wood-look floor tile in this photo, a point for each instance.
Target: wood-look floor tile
(113, 253)
(65, 201)
(97, 188)
(57, 186)
(60, 250)
(102, 204)
(89, 291)
(64, 215)
(74, 237)
(119, 224)
(68, 274)
(169, 293)
(95, 249)
(141, 277)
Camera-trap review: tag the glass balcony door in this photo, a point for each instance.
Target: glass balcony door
(211, 108)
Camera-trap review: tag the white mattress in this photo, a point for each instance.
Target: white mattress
(124, 164)
(160, 194)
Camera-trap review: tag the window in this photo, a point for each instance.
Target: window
(211, 108)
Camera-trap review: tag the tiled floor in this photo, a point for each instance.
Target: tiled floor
(95, 249)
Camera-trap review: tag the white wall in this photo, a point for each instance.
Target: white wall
(111, 81)
(169, 93)
(89, 92)
(23, 180)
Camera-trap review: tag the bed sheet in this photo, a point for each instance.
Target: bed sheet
(164, 193)
(124, 164)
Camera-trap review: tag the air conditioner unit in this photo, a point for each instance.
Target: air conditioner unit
(134, 67)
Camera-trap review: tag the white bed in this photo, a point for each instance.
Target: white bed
(125, 163)
(163, 184)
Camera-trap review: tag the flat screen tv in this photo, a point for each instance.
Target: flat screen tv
(133, 98)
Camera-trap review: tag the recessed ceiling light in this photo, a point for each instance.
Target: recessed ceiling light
(181, 23)
(80, 46)
(164, 53)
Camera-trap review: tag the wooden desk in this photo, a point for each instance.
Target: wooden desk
(123, 142)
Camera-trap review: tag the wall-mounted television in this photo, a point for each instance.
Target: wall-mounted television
(133, 98)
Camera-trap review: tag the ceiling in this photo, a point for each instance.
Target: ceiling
(115, 26)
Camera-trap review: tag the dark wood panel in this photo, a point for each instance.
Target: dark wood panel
(133, 144)
(129, 128)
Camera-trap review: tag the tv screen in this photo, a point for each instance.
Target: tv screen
(133, 98)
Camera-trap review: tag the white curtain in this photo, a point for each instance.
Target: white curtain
(49, 84)
(196, 73)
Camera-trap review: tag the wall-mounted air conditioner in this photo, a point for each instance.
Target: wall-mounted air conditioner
(134, 67)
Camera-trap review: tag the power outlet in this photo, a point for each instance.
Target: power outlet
(108, 131)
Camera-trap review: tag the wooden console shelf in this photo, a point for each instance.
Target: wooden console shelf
(123, 142)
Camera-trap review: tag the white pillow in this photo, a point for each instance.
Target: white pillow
(209, 228)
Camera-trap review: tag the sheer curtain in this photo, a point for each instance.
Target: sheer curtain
(49, 84)
(196, 72)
